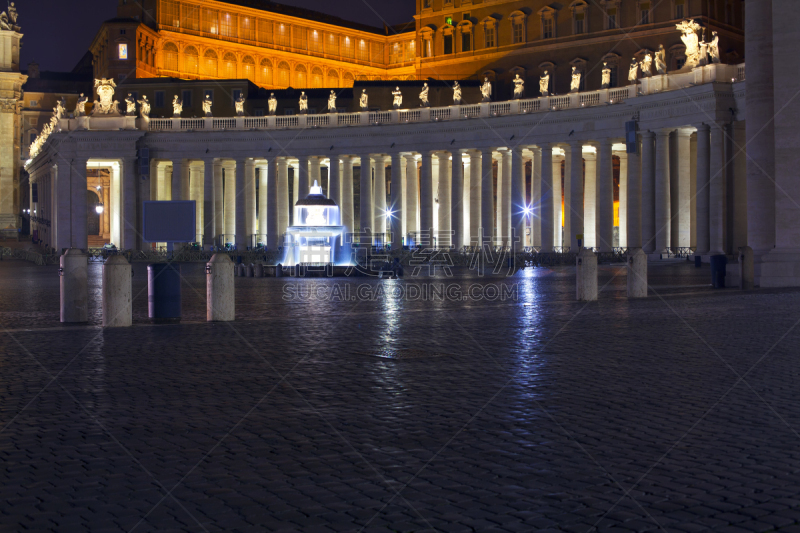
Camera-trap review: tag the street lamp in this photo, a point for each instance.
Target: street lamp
(99, 209)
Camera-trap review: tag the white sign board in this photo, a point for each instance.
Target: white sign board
(169, 221)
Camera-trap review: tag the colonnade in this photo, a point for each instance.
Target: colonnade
(674, 192)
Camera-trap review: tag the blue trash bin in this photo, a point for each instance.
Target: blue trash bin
(718, 267)
(164, 293)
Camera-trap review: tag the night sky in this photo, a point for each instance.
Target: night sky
(58, 33)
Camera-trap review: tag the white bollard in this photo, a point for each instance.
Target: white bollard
(586, 286)
(117, 307)
(747, 268)
(220, 296)
(637, 273)
(74, 274)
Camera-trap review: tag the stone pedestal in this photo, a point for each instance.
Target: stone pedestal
(586, 279)
(74, 286)
(220, 296)
(637, 273)
(117, 307)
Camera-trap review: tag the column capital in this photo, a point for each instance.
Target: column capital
(648, 134)
(575, 144)
(702, 127)
(664, 132)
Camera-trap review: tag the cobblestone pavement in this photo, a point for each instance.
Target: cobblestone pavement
(318, 414)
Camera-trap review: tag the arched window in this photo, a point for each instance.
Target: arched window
(229, 64)
(333, 79)
(171, 57)
(316, 78)
(283, 74)
(448, 39)
(465, 32)
(362, 77)
(210, 63)
(249, 68)
(300, 77)
(411, 77)
(191, 60)
(348, 80)
(265, 72)
(426, 35)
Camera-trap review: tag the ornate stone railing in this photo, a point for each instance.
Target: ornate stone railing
(714, 73)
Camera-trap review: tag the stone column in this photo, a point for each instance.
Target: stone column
(475, 181)
(633, 219)
(716, 190)
(242, 230)
(762, 88)
(229, 168)
(662, 191)
(303, 183)
(781, 266)
(567, 208)
(487, 198)
(219, 205)
(444, 238)
(314, 172)
(648, 192)
(397, 208)
(412, 195)
(457, 195)
(129, 216)
(272, 232)
(250, 200)
(590, 201)
(536, 196)
(380, 195)
(209, 235)
(683, 140)
(366, 208)
(177, 178)
(335, 184)
(263, 182)
(347, 208)
(605, 198)
(558, 202)
(702, 191)
(465, 197)
(506, 195)
(195, 193)
(518, 201)
(547, 200)
(426, 200)
(283, 198)
(622, 229)
(79, 237)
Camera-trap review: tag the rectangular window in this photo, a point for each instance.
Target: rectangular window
(210, 21)
(645, 13)
(426, 48)
(265, 31)
(300, 38)
(159, 98)
(348, 48)
(489, 32)
(33, 137)
(315, 41)
(283, 34)
(332, 45)
(579, 23)
(186, 96)
(363, 50)
(169, 14)
(465, 16)
(191, 17)
(448, 44)
(519, 33)
(395, 53)
(547, 28)
(123, 51)
(614, 82)
(227, 25)
(426, 4)
(611, 18)
(34, 103)
(466, 42)
(679, 9)
(122, 32)
(247, 28)
(376, 52)
(122, 77)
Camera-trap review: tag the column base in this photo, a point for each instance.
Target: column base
(779, 268)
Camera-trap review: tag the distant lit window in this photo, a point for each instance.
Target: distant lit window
(123, 51)
(448, 21)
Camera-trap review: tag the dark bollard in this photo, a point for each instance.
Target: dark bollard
(164, 293)
(718, 263)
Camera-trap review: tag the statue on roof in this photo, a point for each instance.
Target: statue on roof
(239, 105)
(130, 105)
(633, 71)
(80, 107)
(364, 102)
(207, 103)
(332, 102)
(606, 80)
(177, 106)
(713, 47)
(423, 96)
(544, 84)
(144, 107)
(303, 103)
(575, 84)
(661, 60)
(486, 90)
(273, 104)
(398, 98)
(105, 93)
(647, 65)
(689, 29)
(456, 94)
(519, 87)
(8, 21)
